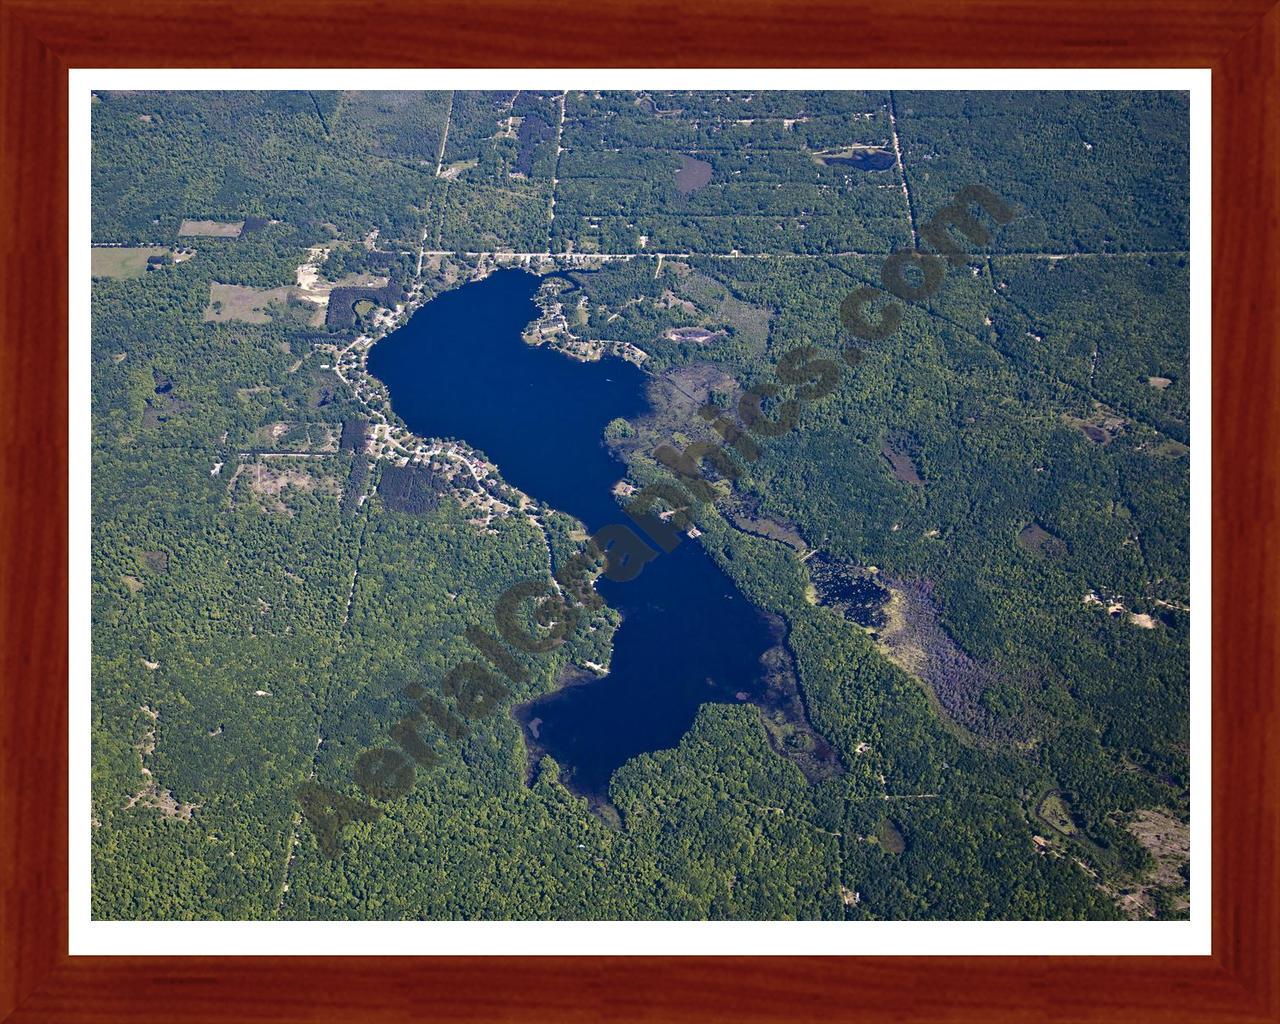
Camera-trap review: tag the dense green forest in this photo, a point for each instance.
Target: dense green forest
(1002, 481)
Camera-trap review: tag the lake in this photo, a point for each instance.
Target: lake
(459, 369)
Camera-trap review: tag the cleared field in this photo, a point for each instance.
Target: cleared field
(297, 436)
(693, 174)
(278, 483)
(1054, 811)
(238, 302)
(121, 262)
(211, 228)
(889, 838)
(1040, 542)
(903, 468)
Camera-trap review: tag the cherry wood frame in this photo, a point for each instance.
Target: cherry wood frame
(41, 39)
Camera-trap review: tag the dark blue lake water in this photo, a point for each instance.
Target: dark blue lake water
(459, 369)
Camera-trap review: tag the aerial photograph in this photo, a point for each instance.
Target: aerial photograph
(568, 505)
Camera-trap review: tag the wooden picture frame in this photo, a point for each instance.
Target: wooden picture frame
(41, 39)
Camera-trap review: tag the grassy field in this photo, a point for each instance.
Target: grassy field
(120, 262)
(1054, 811)
(212, 228)
(238, 302)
